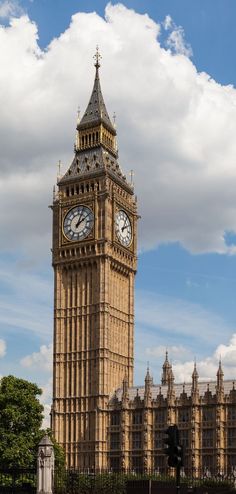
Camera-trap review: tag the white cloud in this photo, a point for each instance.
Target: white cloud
(46, 400)
(41, 360)
(176, 128)
(10, 8)
(176, 42)
(3, 348)
(176, 351)
(167, 23)
(207, 368)
(176, 38)
(227, 352)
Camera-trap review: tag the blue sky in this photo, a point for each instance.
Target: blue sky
(210, 29)
(170, 77)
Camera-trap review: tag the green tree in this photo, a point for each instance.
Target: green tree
(21, 416)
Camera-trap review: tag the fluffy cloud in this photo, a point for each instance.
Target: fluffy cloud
(3, 348)
(207, 368)
(46, 400)
(176, 128)
(41, 360)
(176, 38)
(10, 8)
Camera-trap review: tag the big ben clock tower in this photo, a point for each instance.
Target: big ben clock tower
(94, 260)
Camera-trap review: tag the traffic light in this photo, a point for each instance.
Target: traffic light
(172, 448)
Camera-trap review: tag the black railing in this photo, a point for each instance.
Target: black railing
(24, 481)
(150, 482)
(18, 481)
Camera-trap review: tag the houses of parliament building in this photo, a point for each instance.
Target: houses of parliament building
(99, 418)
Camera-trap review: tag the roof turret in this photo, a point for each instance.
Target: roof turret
(220, 380)
(148, 385)
(195, 387)
(125, 394)
(166, 368)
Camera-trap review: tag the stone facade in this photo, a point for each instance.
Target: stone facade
(97, 416)
(204, 412)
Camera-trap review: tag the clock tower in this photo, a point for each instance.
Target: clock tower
(94, 260)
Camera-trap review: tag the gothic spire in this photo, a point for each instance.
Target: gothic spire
(195, 376)
(148, 384)
(95, 143)
(125, 394)
(96, 112)
(220, 379)
(170, 383)
(166, 368)
(148, 378)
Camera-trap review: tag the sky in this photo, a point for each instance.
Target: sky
(168, 72)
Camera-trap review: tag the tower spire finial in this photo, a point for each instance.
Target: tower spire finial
(97, 57)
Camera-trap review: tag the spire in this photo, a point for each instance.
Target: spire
(195, 380)
(170, 383)
(148, 384)
(166, 368)
(220, 373)
(95, 146)
(96, 112)
(125, 394)
(171, 378)
(195, 373)
(148, 378)
(220, 379)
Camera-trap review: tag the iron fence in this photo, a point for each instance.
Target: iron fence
(24, 481)
(149, 482)
(18, 481)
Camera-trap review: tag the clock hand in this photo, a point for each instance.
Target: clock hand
(78, 222)
(124, 227)
(81, 220)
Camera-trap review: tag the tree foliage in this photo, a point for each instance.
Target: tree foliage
(21, 416)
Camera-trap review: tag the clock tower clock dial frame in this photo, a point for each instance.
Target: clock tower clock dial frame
(78, 223)
(94, 272)
(123, 228)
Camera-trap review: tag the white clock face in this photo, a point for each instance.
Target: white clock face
(123, 228)
(78, 223)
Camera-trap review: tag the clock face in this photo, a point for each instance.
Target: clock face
(78, 223)
(123, 228)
